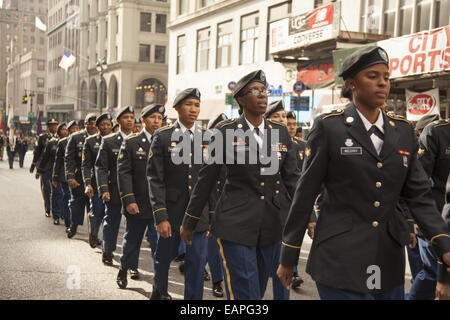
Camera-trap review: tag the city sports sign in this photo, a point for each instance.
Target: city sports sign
(419, 53)
(315, 26)
(421, 104)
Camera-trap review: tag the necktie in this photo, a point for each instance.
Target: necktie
(374, 130)
(191, 135)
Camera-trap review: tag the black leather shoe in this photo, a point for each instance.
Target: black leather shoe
(107, 258)
(93, 241)
(181, 267)
(47, 214)
(206, 276)
(180, 258)
(67, 229)
(134, 274)
(56, 221)
(72, 231)
(122, 278)
(156, 295)
(217, 289)
(296, 281)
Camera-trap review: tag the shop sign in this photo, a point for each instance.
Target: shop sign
(421, 104)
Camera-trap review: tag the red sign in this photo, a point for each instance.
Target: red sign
(316, 74)
(421, 104)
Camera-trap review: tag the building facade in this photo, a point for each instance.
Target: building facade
(23, 59)
(123, 54)
(297, 43)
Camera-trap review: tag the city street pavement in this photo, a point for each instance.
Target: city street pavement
(38, 261)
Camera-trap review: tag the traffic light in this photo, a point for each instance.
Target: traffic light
(25, 99)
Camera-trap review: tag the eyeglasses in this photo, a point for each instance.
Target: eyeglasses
(257, 92)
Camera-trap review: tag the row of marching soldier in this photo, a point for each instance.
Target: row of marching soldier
(357, 187)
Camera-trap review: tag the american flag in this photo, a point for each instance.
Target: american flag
(67, 61)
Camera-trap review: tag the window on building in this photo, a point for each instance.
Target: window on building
(203, 49)
(205, 3)
(181, 53)
(423, 15)
(224, 40)
(249, 38)
(144, 53)
(41, 65)
(182, 6)
(405, 18)
(32, 40)
(146, 22)
(276, 13)
(160, 54)
(390, 9)
(40, 98)
(40, 82)
(161, 23)
(442, 16)
(42, 41)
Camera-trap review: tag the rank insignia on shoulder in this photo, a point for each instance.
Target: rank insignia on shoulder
(421, 151)
(121, 156)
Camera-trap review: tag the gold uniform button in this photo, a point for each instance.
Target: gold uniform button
(218, 190)
(378, 184)
(262, 197)
(262, 184)
(277, 191)
(379, 165)
(190, 154)
(218, 182)
(376, 204)
(190, 188)
(375, 224)
(189, 176)
(278, 182)
(190, 166)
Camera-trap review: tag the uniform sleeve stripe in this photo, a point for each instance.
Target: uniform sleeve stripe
(127, 195)
(159, 210)
(191, 216)
(290, 246)
(439, 235)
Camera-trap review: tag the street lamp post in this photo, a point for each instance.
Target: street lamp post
(101, 66)
(31, 95)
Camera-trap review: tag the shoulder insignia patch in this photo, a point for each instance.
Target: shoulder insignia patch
(333, 113)
(440, 123)
(395, 117)
(165, 128)
(134, 135)
(276, 122)
(228, 122)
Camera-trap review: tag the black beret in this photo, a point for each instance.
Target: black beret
(425, 120)
(255, 76)
(193, 93)
(214, 121)
(165, 118)
(148, 110)
(137, 121)
(102, 117)
(291, 115)
(115, 126)
(273, 107)
(299, 130)
(52, 121)
(90, 117)
(72, 123)
(127, 109)
(362, 59)
(60, 126)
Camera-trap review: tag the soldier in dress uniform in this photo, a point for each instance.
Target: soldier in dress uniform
(171, 184)
(90, 152)
(366, 160)
(59, 176)
(106, 174)
(137, 125)
(79, 202)
(276, 111)
(44, 137)
(250, 213)
(134, 193)
(45, 167)
(434, 155)
(213, 254)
